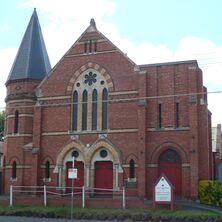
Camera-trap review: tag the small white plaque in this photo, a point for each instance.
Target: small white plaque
(72, 173)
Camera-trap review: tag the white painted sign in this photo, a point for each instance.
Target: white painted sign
(72, 173)
(163, 191)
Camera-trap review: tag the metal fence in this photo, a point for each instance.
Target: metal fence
(84, 193)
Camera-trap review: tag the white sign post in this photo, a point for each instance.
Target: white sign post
(163, 192)
(72, 174)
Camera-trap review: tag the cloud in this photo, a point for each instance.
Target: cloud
(64, 21)
(208, 55)
(4, 27)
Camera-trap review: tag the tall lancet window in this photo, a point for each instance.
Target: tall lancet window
(84, 109)
(94, 109)
(75, 111)
(14, 169)
(131, 169)
(104, 108)
(16, 123)
(90, 100)
(47, 169)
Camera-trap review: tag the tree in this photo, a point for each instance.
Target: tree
(2, 122)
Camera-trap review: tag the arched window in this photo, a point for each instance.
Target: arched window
(89, 109)
(14, 169)
(94, 109)
(16, 123)
(47, 169)
(131, 169)
(75, 111)
(104, 108)
(84, 110)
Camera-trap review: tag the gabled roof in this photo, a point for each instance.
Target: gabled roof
(91, 33)
(32, 61)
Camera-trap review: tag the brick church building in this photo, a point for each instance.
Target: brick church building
(124, 123)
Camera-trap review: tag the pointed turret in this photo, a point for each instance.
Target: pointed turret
(32, 60)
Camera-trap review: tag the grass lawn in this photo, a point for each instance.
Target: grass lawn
(111, 214)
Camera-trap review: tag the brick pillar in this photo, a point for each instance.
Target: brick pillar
(36, 144)
(141, 146)
(193, 123)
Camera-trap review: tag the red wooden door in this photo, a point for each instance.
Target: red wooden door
(79, 181)
(170, 165)
(104, 176)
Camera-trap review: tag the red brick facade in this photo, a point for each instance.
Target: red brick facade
(151, 109)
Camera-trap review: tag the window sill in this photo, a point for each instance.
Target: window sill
(13, 179)
(47, 180)
(130, 184)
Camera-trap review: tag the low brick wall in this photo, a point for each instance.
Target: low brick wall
(94, 202)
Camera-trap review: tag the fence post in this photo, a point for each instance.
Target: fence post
(11, 195)
(83, 197)
(124, 198)
(45, 196)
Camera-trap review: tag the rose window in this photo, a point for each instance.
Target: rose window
(90, 78)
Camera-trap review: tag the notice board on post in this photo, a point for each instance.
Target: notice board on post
(163, 192)
(72, 173)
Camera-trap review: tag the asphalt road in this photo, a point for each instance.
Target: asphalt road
(30, 219)
(35, 219)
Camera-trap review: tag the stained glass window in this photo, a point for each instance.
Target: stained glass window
(75, 111)
(90, 78)
(94, 109)
(104, 108)
(84, 110)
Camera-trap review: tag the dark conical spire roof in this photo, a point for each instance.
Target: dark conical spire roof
(32, 61)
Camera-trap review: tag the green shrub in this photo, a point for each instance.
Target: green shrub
(210, 192)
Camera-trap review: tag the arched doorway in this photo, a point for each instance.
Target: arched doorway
(170, 165)
(103, 176)
(220, 171)
(79, 181)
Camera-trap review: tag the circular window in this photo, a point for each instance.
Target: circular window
(102, 82)
(78, 84)
(75, 154)
(103, 153)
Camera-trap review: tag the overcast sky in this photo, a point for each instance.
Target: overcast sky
(149, 31)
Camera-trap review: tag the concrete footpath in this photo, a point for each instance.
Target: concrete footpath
(192, 205)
